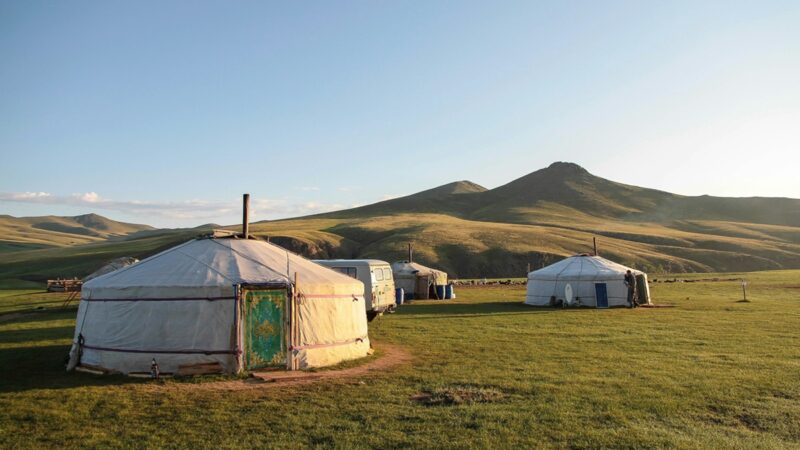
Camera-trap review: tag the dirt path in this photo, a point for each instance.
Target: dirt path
(393, 356)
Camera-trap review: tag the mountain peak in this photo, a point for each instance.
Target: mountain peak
(461, 187)
(456, 187)
(566, 167)
(101, 223)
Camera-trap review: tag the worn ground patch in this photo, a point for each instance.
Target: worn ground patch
(391, 356)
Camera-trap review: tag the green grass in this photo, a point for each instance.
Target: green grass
(710, 372)
(32, 300)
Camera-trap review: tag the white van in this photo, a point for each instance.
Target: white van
(376, 276)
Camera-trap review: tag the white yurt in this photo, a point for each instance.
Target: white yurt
(418, 280)
(219, 306)
(584, 280)
(114, 264)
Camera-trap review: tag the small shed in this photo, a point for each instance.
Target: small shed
(418, 281)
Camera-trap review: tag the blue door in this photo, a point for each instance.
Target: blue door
(601, 294)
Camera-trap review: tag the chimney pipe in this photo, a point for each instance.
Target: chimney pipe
(245, 216)
(410, 252)
(594, 241)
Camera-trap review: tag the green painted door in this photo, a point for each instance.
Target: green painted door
(264, 328)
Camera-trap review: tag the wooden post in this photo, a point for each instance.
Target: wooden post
(744, 289)
(288, 307)
(245, 216)
(529, 270)
(237, 327)
(594, 242)
(295, 324)
(410, 252)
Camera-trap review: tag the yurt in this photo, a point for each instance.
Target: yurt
(114, 264)
(418, 281)
(216, 305)
(584, 280)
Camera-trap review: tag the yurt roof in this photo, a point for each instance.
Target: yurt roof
(223, 263)
(405, 267)
(582, 266)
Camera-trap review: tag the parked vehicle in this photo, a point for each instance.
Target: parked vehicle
(377, 278)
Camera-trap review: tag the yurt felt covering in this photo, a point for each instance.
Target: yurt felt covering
(183, 307)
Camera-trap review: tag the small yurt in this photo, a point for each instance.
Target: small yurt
(219, 306)
(584, 280)
(114, 264)
(418, 281)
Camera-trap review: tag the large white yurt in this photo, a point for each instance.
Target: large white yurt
(418, 280)
(219, 305)
(583, 280)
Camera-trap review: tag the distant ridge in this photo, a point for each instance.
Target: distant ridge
(468, 230)
(57, 231)
(566, 186)
(456, 187)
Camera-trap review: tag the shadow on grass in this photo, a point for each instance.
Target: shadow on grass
(43, 304)
(38, 315)
(34, 334)
(28, 294)
(444, 310)
(43, 367)
(34, 366)
(471, 309)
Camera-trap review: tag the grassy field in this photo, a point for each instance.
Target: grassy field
(710, 372)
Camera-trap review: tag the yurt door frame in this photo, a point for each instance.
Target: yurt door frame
(262, 332)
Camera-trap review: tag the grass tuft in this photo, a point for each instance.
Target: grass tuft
(458, 395)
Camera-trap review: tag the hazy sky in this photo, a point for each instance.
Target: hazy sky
(165, 112)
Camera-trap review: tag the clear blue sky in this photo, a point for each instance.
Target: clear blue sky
(165, 112)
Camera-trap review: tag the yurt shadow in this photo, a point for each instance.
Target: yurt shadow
(33, 334)
(42, 367)
(442, 310)
(32, 316)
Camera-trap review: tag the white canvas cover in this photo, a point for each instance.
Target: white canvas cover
(406, 273)
(581, 273)
(179, 308)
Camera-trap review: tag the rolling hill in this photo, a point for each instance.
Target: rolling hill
(27, 233)
(472, 231)
(569, 186)
(553, 212)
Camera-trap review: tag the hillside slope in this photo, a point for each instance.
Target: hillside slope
(80, 260)
(570, 187)
(474, 232)
(25, 233)
(556, 212)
